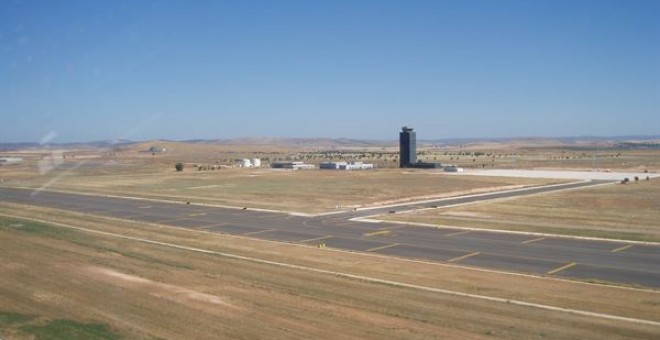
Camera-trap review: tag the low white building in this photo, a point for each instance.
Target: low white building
(331, 165)
(346, 166)
(291, 165)
(10, 160)
(157, 149)
(453, 168)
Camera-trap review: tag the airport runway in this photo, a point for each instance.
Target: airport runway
(600, 261)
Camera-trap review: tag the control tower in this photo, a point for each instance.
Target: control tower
(407, 147)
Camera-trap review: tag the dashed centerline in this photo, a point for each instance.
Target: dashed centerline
(458, 233)
(456, 259)
(379, 232)
(622, 248)
(382, 247)
(533, 240)
(557, 270)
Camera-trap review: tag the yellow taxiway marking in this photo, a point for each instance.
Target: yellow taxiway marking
(383, 247)
(459, 233)
(317, 239)
(197, 214)
(383, 231)
(533, 240)
(258, 232)
(557, 270)
(146, 207)
(622, 248)
(379, 232)
(455, 259)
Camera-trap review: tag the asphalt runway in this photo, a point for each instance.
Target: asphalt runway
(599, 261)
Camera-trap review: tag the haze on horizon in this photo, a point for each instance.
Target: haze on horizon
(101, 70)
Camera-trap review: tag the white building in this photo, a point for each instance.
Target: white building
(10, 160)
(346, 166)
(331, 165)
(291, 165)
(453, 168)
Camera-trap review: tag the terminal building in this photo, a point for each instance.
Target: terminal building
(408, 151)
(291, 165)
(346, 166)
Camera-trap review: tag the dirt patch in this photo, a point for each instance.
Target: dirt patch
(163, 290)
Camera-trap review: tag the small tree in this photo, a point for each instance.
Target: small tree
(178, 166)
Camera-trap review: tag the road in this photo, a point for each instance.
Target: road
(601, 261)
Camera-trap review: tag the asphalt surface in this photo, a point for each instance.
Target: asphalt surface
(600, 261)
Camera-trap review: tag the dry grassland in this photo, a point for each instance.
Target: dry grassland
(140, 290)
(630, 211)
(310, 191)
(556, 158)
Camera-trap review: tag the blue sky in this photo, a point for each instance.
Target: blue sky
(95, 70)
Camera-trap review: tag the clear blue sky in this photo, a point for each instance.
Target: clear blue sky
(94, 70)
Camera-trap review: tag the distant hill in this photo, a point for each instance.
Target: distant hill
(77, 145)
(640, 142)
(303, 142)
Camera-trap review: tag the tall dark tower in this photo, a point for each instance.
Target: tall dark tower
(407, 147)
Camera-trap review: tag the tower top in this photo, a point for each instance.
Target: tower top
(406, 129)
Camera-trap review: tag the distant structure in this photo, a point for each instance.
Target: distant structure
(10, 160)
(248, 163)
(453, 168)
(291, 165)
(346, 166)
(408, 151)
(407, 147)
(157, 149)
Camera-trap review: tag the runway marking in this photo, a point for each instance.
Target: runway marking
(384, 231)
(196, 214)
(258, 232)
(622, 248)
(459, 233)
(557, 270)
(317, 239)
(382, 247)
(378, 232)
(533, 240)
(455, 259)
(146, 207)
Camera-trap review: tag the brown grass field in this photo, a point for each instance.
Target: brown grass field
(618, 211)
(69, 283)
